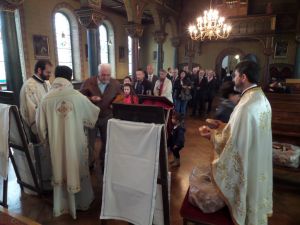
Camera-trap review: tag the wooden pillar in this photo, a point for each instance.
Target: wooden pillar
(297, 61)
(175, 43)
(190, 53)
(91, 18)
(11, 53)
(268, 52)
(135, 31)
(160, 37)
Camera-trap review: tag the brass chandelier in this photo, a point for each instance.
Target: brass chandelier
(209, 26)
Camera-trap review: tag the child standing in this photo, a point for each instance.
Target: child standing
(129, 96)
(176, 138)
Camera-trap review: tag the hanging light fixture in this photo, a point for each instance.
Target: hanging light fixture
(209, 26)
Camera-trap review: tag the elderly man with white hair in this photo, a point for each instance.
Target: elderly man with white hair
(102, 90)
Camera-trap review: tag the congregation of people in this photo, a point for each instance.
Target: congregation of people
(57, 115)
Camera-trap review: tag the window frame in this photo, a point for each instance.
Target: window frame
(129, 55)
(107, 38)
(71, 38)
(5, 73)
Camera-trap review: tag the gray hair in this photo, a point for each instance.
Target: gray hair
(104, 65)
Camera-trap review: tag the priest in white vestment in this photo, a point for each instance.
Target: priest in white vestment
(32, 93)
(242, 166)
(163, 86)
(61, 118)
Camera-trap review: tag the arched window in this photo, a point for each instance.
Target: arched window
(2, 64)
(129, 55)
(63, 40)
(107, 45)
(104, 48)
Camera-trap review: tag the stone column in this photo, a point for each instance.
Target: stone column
(13, 68)
(297, 62)
(175, 43)
(160, 37)
(91, 18)
(135, 31)
(190, 53)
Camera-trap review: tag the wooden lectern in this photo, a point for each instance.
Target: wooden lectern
(150, 114)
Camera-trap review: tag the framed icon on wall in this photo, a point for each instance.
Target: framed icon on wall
(41, 47)
(281, 49)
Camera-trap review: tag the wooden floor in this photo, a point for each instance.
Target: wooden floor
(197, 151)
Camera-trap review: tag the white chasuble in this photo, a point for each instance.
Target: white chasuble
(31, 95)
(243, 169)
(61, 118)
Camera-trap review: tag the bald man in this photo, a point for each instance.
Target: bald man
(151, 77)
(102, 90)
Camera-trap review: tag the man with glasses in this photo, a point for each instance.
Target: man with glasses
(101, 90)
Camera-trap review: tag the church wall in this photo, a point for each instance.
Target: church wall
(291, 52)
(37, 19)
(210, 50)
(168, 49)
(148, 47)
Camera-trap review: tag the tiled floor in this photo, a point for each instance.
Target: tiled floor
(197, 151)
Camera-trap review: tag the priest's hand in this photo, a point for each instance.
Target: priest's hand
(205, 131)
(95, 99)
(214, 124)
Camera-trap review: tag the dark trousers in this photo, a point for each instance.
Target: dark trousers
(210, 98)
(175, 151)
(101, 126)
(198, 101)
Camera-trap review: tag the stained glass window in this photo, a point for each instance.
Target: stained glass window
(104, 48)
(63, 40)
(2, 64)
(130, 55)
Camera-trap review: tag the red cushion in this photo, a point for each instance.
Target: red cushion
(189, 212)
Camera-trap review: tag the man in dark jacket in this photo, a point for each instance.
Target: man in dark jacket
(101, 90)
(150, 76)
(200, 88)
(142, 86)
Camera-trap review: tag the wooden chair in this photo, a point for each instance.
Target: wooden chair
(191, 214)
(19, 142)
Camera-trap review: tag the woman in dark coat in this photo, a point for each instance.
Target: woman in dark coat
(182, 92)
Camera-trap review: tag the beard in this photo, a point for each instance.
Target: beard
(238, 87)
(44, 77)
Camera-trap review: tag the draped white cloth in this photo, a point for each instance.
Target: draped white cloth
(243, 169)
(61, 118)
(158, 218)
(131, 169)
(31, 95)
(4, 135)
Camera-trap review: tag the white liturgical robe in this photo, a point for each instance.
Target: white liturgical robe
(31, 95)
(242, 169)
(166, 89)
(61, 118)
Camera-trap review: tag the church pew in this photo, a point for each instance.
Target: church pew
(285, 117)
(286, 128)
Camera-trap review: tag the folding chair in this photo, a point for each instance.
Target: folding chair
(18, 143)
